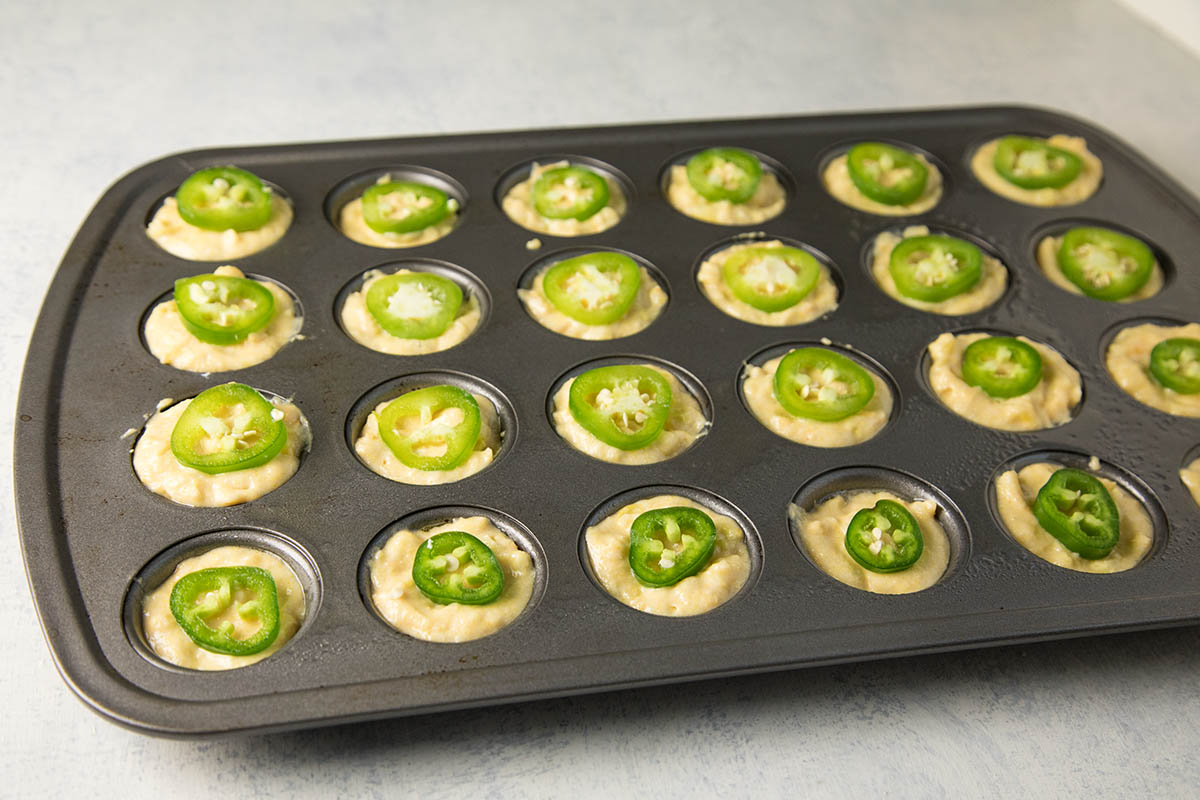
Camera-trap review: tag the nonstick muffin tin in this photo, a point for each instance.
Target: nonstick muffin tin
(93, 536)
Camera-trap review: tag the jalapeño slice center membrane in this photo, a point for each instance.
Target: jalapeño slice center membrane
(1034, 164)
(211, 604)
(228, 428)
(771, 278)
(456, 567)
(595, 288)
(1175, 364)
(404, 206)
(414, 305)
(625, 406)
(886, 174)
(222, 309)
(884, 538)
(224, 198)
(1103, 263)
(667, 545)
(1075, 508)
(1002, 366)
(934, 268)
(431, 429)
(823, 385)
(724, 173)
(569, 193)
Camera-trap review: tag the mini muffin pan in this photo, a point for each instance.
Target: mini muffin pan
(93, 537)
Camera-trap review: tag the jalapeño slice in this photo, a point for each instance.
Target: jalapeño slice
(224, 198)
(1175, 364)
(200, 599)
(414, 305)
(823, 385)
(222, 309)
(1002, 366)
(227, 428)
(724, 173)
(1033, 164)
(935, 268)
(884, 538)
(1075, 508)
(595, 288)
(1105, 264)
(456, 567)
(771, 278)
(667, 545)
(403, 206)
(625, 406)
(569, 193)
(886, 174)
(431, 429)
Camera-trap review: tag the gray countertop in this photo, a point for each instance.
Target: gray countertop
(90, 91)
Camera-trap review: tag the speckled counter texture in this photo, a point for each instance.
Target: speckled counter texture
(90, 90)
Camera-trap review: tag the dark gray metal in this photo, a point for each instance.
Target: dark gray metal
(88, 527)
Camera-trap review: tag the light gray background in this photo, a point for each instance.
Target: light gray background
(91, 90)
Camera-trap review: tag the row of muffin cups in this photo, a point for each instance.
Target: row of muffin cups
(835, 483)
(707, 278)
(692, 408)
(342, 204)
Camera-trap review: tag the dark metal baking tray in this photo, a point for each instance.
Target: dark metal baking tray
(88, 528)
